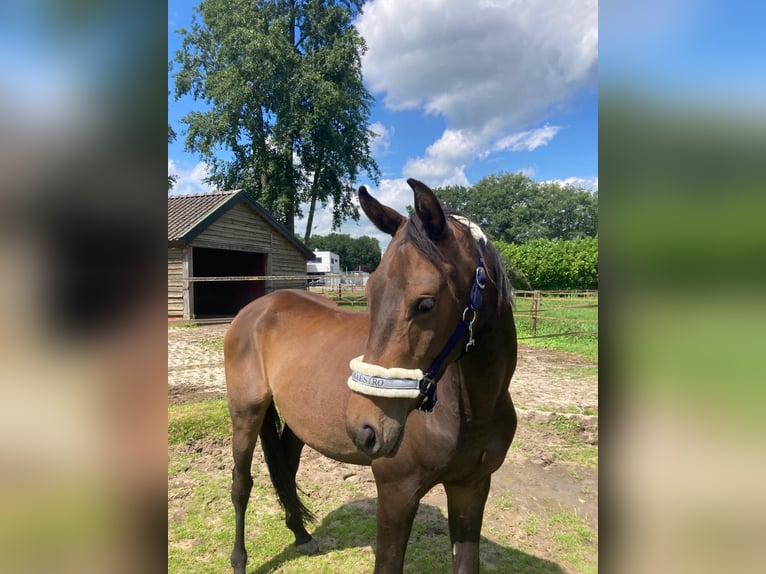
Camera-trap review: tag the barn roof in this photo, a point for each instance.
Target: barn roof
(189, 215)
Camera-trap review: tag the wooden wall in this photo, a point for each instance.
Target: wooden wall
(175, 282)
(241, 229)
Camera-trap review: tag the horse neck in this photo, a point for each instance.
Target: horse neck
(486, 371)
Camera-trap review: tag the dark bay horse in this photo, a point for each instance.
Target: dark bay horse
(429, 365)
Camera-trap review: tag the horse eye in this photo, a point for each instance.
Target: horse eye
(425, 304)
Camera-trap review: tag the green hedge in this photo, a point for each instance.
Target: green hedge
(547, 264)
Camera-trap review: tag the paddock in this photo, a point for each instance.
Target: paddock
(542, 513)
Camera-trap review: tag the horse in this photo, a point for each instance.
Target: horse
(417, 386)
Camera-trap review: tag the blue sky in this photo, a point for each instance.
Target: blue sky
(687, 52)
(464, 89)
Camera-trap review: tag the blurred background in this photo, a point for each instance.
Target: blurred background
(82, 339)
(82, 331)
(682, 154)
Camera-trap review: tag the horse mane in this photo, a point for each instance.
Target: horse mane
(417, 237)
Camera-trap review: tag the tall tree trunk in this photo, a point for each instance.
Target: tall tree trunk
(289, 194)
(312, 207)
(260, 142)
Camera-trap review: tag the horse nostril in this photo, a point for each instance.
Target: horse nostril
(366, 440)
(370, 438)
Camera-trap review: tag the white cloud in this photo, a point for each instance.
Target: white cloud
(381, 141)
(527, 140)
(190, 179)
(480, 63)
(491, 68)
(395, 193)
(529, 171)
(445, 159)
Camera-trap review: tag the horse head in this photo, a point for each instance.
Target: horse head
(423, 299)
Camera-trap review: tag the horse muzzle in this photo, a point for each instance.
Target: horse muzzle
(376, 413)
(373, 442)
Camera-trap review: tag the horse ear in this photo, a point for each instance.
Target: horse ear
(383, 217)
(429, 210)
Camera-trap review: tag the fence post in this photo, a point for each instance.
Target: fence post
(535, 307)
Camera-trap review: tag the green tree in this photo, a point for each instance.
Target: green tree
(515, 209)
(552, 263)
(362, 253)
(287, 102)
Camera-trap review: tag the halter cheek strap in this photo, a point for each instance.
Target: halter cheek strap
(465, 326)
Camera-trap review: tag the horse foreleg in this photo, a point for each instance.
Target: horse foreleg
(465, 507)
(246, 425)
(397, 506)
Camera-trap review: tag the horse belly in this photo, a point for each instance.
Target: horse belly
(312, 401)
(318, 419)
(308, 344)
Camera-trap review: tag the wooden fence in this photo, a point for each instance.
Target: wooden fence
(536, 306)
(558, 306)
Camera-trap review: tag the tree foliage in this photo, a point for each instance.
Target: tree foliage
(287, 102)
(362, 253)
(515, 209)
(548, 264)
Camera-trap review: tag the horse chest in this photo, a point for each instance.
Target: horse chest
(456, 454)
(478, 444)
(481, 454)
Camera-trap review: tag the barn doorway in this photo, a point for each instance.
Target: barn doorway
(226, 298)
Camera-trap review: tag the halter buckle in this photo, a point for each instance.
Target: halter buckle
(428, 390)
(481, 276)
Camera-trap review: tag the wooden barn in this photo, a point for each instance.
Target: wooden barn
(226, 234)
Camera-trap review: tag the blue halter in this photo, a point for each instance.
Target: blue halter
(465, 326)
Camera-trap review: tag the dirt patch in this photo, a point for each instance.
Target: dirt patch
(191, 393)
(550, 473)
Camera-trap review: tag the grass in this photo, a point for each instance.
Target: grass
(555, 316)
(352, 304)
(504, 501)
(572, 539)
(196, 421)
(572, 448)
(569, 409)
(212, 344)
(530, 526)
(201, 517)
(576, 541)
